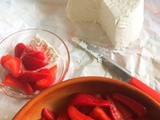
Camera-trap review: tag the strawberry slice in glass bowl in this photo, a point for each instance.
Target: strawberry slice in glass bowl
(36, 57)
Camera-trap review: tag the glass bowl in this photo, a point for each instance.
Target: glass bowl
(25, 36)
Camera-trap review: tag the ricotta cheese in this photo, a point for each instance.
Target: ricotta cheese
(38, 43)
(122, 20)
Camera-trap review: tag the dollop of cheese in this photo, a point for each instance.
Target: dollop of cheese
(38, 43)
(122, 20)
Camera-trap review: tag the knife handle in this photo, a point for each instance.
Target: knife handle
(152, 93)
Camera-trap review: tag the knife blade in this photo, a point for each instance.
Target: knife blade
(116, 70)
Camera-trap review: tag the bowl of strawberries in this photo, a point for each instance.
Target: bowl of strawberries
(91, 98)
(32, 60)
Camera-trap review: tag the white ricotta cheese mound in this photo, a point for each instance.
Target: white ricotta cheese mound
(122, 20)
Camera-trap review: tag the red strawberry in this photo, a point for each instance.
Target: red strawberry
(53, 70)
(48, 114)
(31, 76)
(10, 81)
(88, 100)
(27, 88)
(126, 112)
(98, 95)
(85, 109)
(48, 73)
(13, 66)
(47, 81)
(115, 113)
(5, 58)
(34, 87)
(74, 114)
(44, 83)
(19, 50)
(144, 118)
(136, 107)
(31, 63)
(39, 80)
(63, 116)
(39, 55)
(45, 71)
(29, 50)
(99, 114)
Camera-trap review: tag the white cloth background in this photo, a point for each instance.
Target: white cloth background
(141, 59)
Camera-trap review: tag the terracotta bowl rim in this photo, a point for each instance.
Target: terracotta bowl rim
(72, 81)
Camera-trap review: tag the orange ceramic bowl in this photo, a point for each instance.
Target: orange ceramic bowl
(57, 97)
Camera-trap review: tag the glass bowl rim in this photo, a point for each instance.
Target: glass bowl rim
(44, 30)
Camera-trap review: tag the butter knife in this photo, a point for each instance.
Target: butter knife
(115, 69)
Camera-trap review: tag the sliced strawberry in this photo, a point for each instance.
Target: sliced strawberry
(45, 49)
(98, 95)
(31, 76)
(44, 83)
(63, 116)
(11, 81)
(99, 114)
(27, 88)
(31, 63)
(74, 114)
(144, 118)
(88, 100)
(39, 80)
(85, 109)
(48, 114)
(53, 70)
(29, 50)
(135, 106)
(39, 55)
(19, 50)
(5, 58)
(115, 113)
(45, 71)
(126, 112)
(34, 86)
(13, 66)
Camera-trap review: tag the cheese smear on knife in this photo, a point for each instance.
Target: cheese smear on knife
(122, 20)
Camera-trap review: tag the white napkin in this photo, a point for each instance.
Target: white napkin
(142, 58)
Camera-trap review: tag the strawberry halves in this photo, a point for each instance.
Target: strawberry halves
(45, 82)
(5, 58)
(32, 63)
(126, 112)
(85, 109)
(19, 50)
(48, 114)
(63, 116)
(37, 54)
(144, 118)
(88, 100)
(115, 113)
(11, 81)
(99, 114)
(53, 70)
(74, 114)
(32, 77)
(136, 107)
(14, 66)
